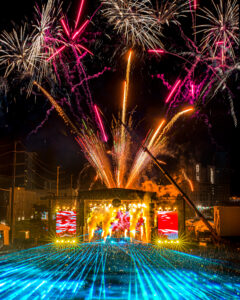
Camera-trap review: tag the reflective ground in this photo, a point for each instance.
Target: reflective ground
(114, 271)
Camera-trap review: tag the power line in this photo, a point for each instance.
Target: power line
(6, 145)
(3, 154)
(43, 163)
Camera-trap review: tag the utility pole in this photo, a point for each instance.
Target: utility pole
(58, 167)
(71, 183)
(13, 193)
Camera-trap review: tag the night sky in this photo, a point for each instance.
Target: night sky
(53, 142)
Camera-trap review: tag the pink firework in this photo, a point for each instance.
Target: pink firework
(173, 90)
(73, 35)
(100, 123)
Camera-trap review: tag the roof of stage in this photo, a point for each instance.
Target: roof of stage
(124, 194)
(104, 194)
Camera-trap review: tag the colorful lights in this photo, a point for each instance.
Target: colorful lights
(79, 13)
(195, 4)
(100, 123)
(160, 51)
(65, 241)
(114, 270)
(106, 221)
(193, 89)
(72, 37)
(168, 224)
(66, 223)
(171, 242)
(190, 109)
(173, 90)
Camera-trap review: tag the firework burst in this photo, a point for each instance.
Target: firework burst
(135, 20)
(170, 11)
(15, 51)
(45, 31)
(221, 28)
(72, 36)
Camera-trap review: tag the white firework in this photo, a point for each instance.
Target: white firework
(45, 27)
(135, 20)
(221, 28)
(15, 50)
(170, 11)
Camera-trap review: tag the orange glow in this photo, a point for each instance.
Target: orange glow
(156, 133)
(124, 101)
(187, 110)
(126, 87)
(191, 185)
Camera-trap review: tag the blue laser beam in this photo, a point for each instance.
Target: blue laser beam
(113, 270)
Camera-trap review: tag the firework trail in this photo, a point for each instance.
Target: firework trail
(126, 88)
(59, 110)
(173, 90)
(111, 165)
(89, 141)
(188, 180)
(215, 55)
(96, 153)
(71, 37)
(122, 148)
(90, 77)
(43, 122)
(155, 146)
(99, 120)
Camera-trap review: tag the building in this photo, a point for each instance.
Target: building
(208, 184)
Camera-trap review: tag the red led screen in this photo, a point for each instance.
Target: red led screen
(66, 223)
(168, 224)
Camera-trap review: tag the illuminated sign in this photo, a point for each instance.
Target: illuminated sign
(212, 175)
(197, 172)
(66, 223)
(168, 224)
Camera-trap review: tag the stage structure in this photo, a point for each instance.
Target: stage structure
(97, 215)
(118, 213)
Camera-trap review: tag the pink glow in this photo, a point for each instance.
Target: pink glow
(84, 48)
(195, 4)
(66, 223)
(79, 13)
(156, 51)
(100, 123)
(56, 53)
(220, 43)
(173, 90)
(64, 25)
(72, 37)
(76, 34)
(193, 89)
